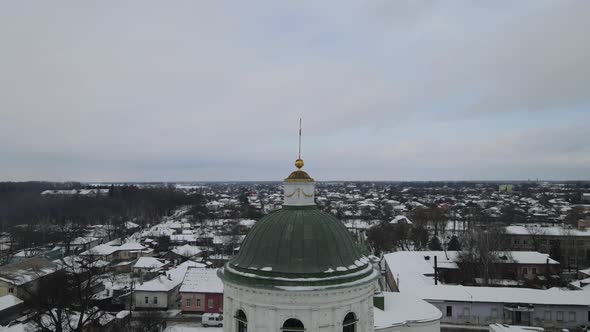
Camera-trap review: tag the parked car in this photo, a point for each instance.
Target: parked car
(212, 320)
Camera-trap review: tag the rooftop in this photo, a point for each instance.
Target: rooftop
(415, 276)
(201, 281)
(26, 271)
(8, 301)
(402, 309)
(149, 262)
(172, 279)
(298, 246)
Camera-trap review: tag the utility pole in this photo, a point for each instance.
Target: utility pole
(131, 303)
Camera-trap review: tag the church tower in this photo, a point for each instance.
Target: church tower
(299, 269)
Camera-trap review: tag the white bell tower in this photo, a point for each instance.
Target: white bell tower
(299, 187)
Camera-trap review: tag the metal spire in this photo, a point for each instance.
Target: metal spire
(299, 138)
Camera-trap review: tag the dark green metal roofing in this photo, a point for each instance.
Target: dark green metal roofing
(299, 246)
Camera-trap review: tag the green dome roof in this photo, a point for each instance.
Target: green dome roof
(298, 246)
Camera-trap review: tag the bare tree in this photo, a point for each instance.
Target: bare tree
(480, 255)
(568, 249)
(68, 232)
(536, 233)
(63, 300)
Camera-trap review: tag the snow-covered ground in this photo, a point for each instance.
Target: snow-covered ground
(190, 327)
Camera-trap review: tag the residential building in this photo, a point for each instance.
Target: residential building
(116, 251)
(572, 244)
(161, 293)
(21, 278)
(202, 291)
(477, 307)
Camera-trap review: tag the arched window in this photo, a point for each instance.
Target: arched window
(349, 323)
(292, 324)
(241, 321)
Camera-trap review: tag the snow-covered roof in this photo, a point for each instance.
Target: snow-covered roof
(187, 327)
(546, 230)
(401, 309)
(83, 240)
(247, 222)
(28, 270)
(172, 279)
(157, 231)
(187, 250)
(227, 239)
(424, 260)
(198, 280)
(149, 263)
(415, 276)
(8, 301)
(401, 219)
(122, 314)
(108, 248)
(513, 328)
(20, 327)
(26, 253)
(530, 257)
(130, 225)
(183, 238)
(75, 263)
(583, 284)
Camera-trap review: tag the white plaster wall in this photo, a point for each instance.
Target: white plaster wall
(481, 314)
(321, 310)
(139, 300)
(581, 316)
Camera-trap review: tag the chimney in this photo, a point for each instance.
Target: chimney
(435, 270)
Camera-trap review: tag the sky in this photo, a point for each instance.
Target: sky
(213, 90)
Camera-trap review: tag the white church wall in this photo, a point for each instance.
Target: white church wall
(321, 310)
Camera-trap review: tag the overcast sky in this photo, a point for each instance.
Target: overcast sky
(212, 90)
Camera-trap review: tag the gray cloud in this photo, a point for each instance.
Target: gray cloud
(196, 90)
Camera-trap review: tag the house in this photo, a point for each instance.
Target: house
(181, 239)
(161, 293)
(477, 307)
(131, 227)
(182, 253)
(80, 244)
(511, 266)
(574, 244)
(146, 265)
(401, 219)
(201, 291)
(187, 251)
(113, 251)
(20, 278)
